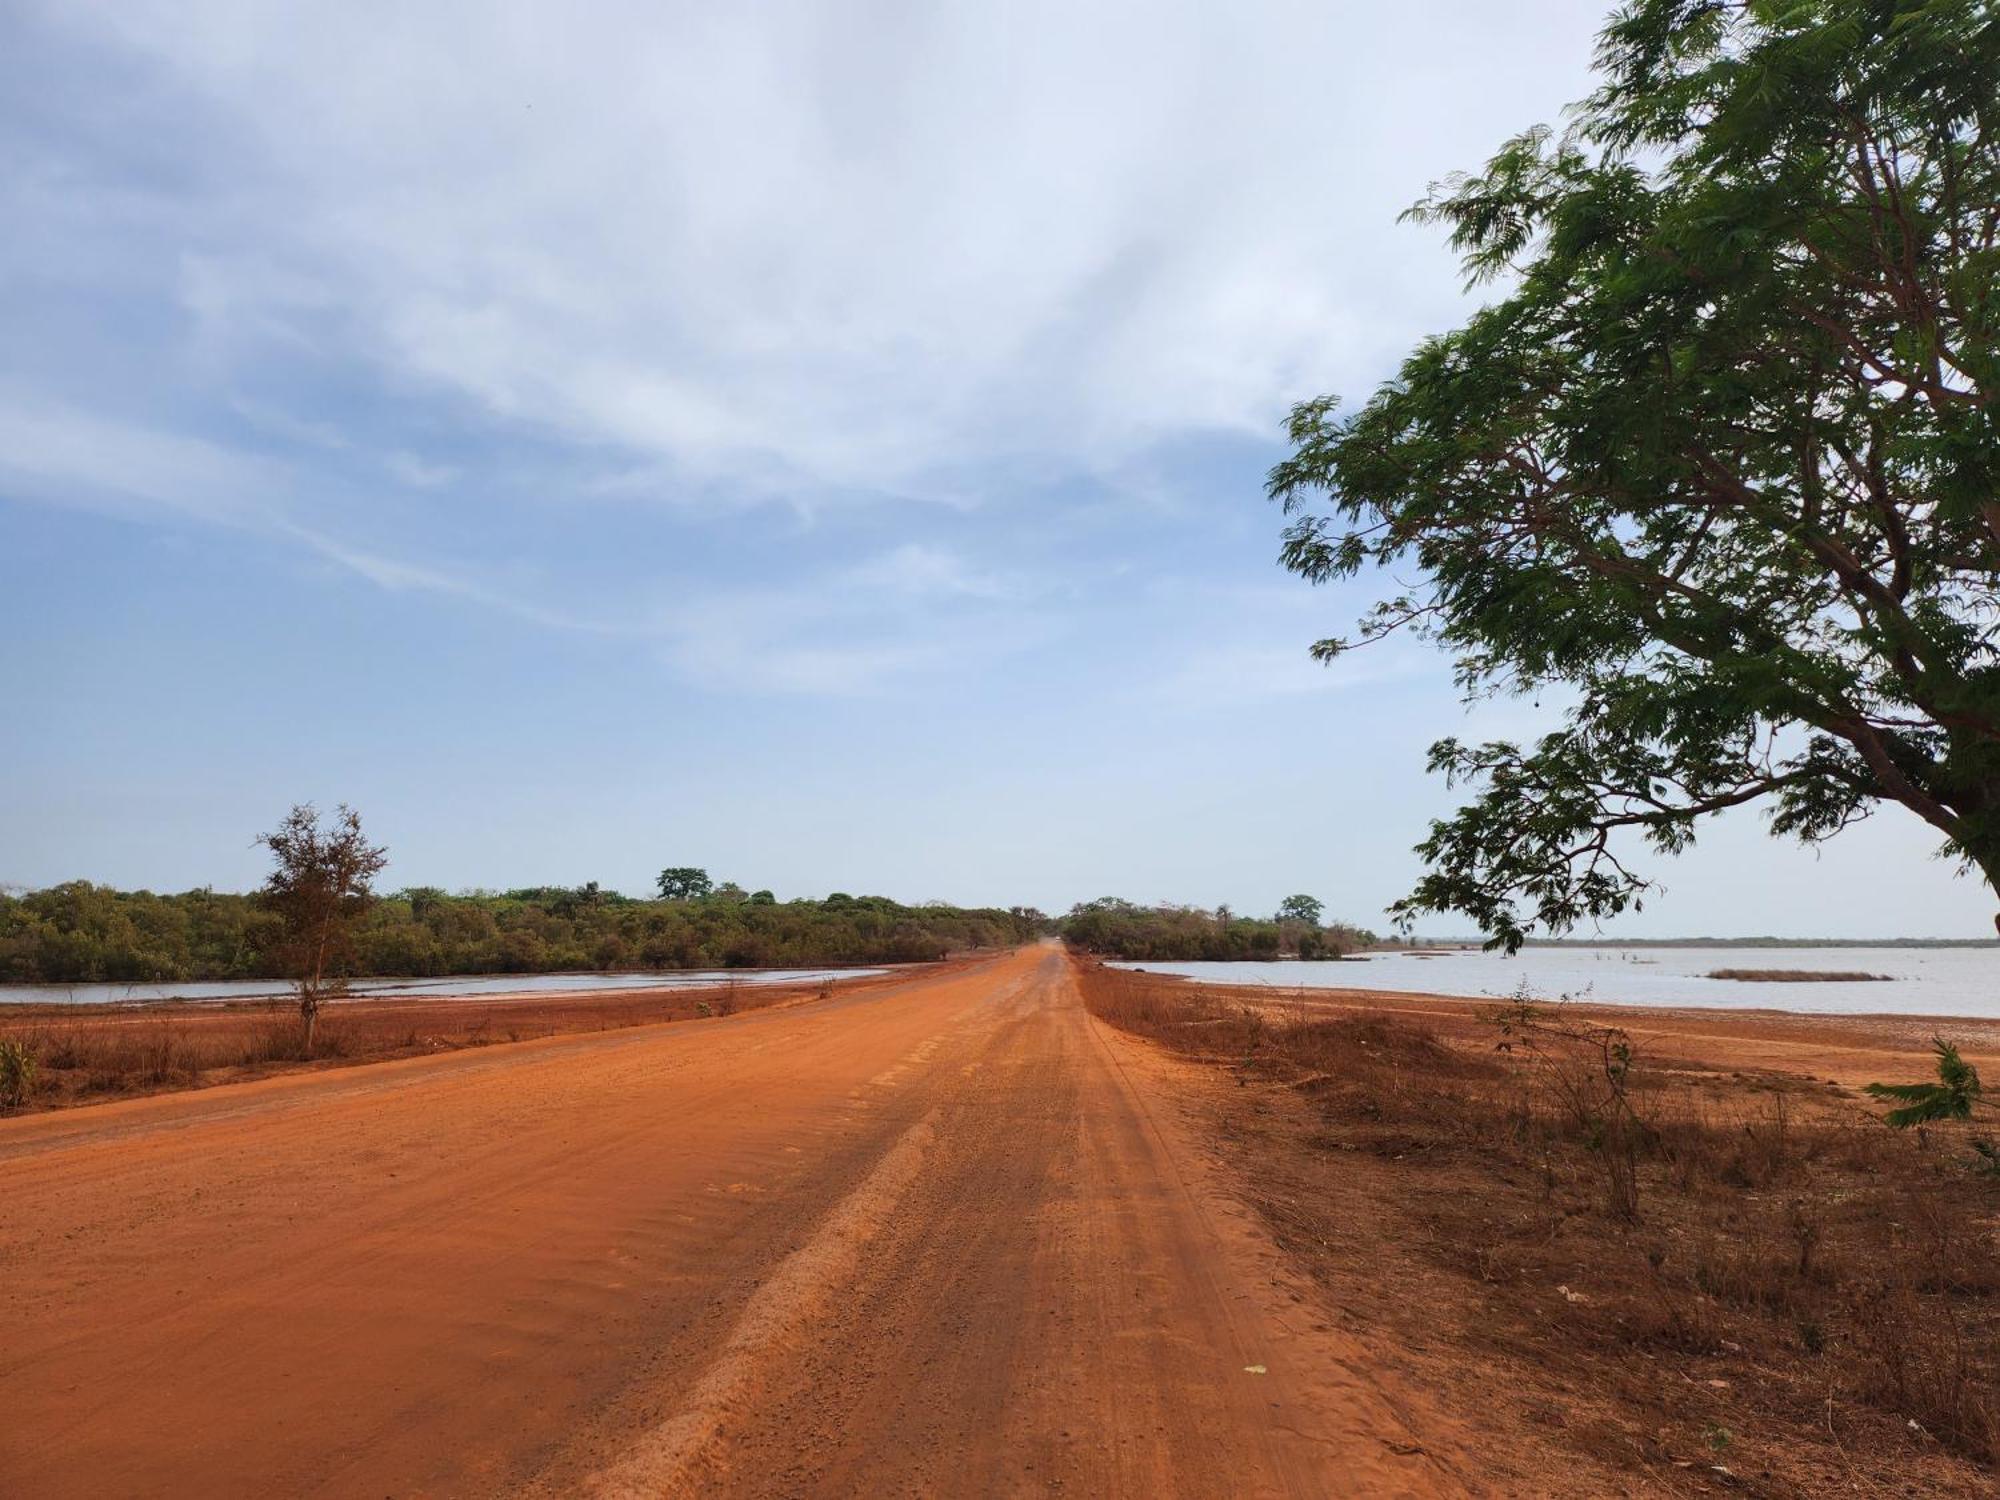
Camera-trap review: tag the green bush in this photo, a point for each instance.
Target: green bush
(1167, 934)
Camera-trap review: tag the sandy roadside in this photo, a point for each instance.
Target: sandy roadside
(1846, 1049)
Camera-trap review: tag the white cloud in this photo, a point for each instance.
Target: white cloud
(847, 630)
(921, 570)
(851, 632)
(54, 451)
(832, 248)
(417, 472)
(444, 267)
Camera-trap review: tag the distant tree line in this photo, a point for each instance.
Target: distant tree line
(1120, 929)
(84, 933)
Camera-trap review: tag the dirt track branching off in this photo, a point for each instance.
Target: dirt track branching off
(1687, 1280)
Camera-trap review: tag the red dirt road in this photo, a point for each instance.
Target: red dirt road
(944, 1238)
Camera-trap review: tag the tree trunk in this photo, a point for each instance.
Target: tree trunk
(309, 1009)
(1987, 862)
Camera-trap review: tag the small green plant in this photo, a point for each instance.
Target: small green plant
(1953, 1097)
(1717, 1437)
(17, 1073)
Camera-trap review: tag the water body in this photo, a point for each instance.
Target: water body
(446, 988)
(1922, 981)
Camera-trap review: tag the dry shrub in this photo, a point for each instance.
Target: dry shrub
(1915, 1358)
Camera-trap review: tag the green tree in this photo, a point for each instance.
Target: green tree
(1300, 909)
(1720, 466)
(684, 883)
(322, 882)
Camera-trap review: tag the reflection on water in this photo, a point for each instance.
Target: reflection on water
(478, 984)
(1922, 981)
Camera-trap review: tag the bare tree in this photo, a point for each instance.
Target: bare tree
(321, 884)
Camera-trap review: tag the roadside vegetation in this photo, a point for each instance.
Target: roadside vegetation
(82, 933)
(1119, 929)
(1696, 1278)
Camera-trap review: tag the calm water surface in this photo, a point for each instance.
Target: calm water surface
(478, 984)
(1923, 981)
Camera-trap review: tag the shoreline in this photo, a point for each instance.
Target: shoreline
(100, 1052)
(1835, 1046)
(413, 986)
(1954, 996)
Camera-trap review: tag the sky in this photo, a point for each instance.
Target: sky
(823, 443)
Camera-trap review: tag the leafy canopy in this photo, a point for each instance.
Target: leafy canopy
(684, 883)
(1305, 909)
(1720, 464)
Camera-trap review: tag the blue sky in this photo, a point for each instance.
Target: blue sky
(820, 443)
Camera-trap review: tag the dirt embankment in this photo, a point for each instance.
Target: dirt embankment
(1640, 1252)
(88, 1054)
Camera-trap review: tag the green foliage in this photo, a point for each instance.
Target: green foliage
(17, 1073)
(1952, 1097)
(1119, 929)
(1720, 465)
(83, 933)
(565, 900)
(684, 883)
(1306, 909)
